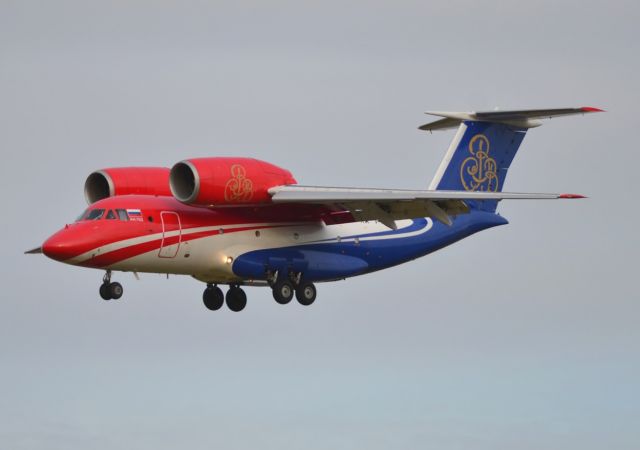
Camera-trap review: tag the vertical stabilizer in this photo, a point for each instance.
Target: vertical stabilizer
(478, 159)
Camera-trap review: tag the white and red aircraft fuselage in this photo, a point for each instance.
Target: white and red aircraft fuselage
(241, 221)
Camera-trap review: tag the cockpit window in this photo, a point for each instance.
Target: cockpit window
(122, 214)
(93, 214)
(111, 214)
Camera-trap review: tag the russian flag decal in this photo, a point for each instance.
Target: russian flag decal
(134, 214)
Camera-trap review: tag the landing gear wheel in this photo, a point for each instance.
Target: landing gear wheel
(306, 293)
(104, 291)
(213, 297)
(283, 291)
(115, 290)
(236, 299)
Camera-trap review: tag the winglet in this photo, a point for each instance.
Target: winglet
(571, 196)
(591, 109)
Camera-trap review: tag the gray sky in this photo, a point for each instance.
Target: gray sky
(524, 336)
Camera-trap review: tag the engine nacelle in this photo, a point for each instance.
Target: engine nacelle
(226, 181)
(126, 180)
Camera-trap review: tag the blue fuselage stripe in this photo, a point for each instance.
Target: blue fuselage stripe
(359, 254)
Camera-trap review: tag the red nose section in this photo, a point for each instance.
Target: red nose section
(61, 246)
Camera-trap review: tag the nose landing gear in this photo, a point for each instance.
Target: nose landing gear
(109, 290)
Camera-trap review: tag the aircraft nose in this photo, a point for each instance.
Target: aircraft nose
(60, 246)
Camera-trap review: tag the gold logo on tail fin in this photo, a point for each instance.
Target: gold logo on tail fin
(478, 172)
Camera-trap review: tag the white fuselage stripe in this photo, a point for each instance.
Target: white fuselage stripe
(156, 236)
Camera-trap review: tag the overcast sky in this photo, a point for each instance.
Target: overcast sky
(524, 336)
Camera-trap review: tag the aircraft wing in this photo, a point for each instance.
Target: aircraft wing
(389, 205)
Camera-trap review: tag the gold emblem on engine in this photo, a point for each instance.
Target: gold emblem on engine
(239, 188)
(478, 172)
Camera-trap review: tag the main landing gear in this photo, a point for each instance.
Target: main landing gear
(213, 298)
(283, 292)
(284, 289)
(306, 293)
(110, 290)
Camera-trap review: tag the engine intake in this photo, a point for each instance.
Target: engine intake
(126, 180)
(226, 181)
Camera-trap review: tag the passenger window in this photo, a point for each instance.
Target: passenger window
(122, 215)
(111, 215)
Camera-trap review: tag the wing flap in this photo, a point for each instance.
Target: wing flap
(387, 212)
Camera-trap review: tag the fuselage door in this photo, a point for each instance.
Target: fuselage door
(171, 234)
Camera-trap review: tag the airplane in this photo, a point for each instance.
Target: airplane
(231, 221)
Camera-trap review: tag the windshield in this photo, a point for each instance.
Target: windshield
(97, 214)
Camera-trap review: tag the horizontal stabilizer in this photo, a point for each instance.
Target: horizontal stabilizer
(34, 251)
(525, 118)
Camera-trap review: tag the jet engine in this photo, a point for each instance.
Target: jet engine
(126, 180)
(226, 181)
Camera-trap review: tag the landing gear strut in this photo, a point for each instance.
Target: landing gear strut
(109, 290)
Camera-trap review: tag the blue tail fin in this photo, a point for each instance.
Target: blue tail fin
(478, 159)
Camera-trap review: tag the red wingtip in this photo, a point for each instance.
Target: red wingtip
(571, 196)
(591, 109)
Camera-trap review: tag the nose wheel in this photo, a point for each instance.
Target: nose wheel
(110, 290)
